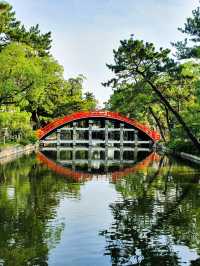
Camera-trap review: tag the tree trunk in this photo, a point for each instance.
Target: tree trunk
(158, 123)
(35, 119)
(167, 118)
(176, 114)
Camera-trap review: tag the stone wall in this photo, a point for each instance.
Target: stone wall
(183, 155)
(10, 153)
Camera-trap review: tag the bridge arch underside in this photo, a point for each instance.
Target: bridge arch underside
(96, 132)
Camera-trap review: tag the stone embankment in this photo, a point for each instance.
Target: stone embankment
(11, 153)
(183, 155)
(190, 157)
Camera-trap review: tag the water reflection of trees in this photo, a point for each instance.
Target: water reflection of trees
(159, 208)
(29, 196)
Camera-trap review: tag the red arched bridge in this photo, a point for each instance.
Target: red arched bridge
(96, 128)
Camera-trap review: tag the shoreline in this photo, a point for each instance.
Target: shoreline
(11, 153)
(182, 155)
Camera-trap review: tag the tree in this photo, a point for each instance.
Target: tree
(90, 102)
(20, 71)
(136, 61)
(3, 6)
(29, 81)
(72, 98)
(27, 235)
(154, 202)
(190, 47)
(30, 78)
(137, 101)
(42, 100)
(36, 84)
(17, 123)
(11, 30)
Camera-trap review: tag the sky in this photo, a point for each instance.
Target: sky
(85, 32)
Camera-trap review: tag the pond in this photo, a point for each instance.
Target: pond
(58, 212)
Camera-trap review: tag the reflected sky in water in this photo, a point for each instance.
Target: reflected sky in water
(142, 213)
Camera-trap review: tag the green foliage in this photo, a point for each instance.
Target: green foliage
(30, 138)
(16, 121)
(21, 71)
(179, 145)
(90, 102)
(192, 26)
(11, 30)
(152, 87)
(28, 226)
(36, 84)
(155, 202)
(32, 80)
(3, 6)
(190, 47)
(17, 125)
(135, 60)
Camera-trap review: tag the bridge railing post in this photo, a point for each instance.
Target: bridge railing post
(135, 154)
(106, 133)
(90, 158)
(136, 138)
(58, 137)
(58, 154)
(121, 142)
(106, 158)
(74, 134)
(74, 159)
(90, 132)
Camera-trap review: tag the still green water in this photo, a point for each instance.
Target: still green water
(147, 215)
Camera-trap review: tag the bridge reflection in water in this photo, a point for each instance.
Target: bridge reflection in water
(98, 142)
(84, 163)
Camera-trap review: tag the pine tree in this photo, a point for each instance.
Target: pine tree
(11, 30)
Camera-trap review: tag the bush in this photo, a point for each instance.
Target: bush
(29, 139)
(24, 142)
(33, 138)
(18, 125)
(179, 145)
